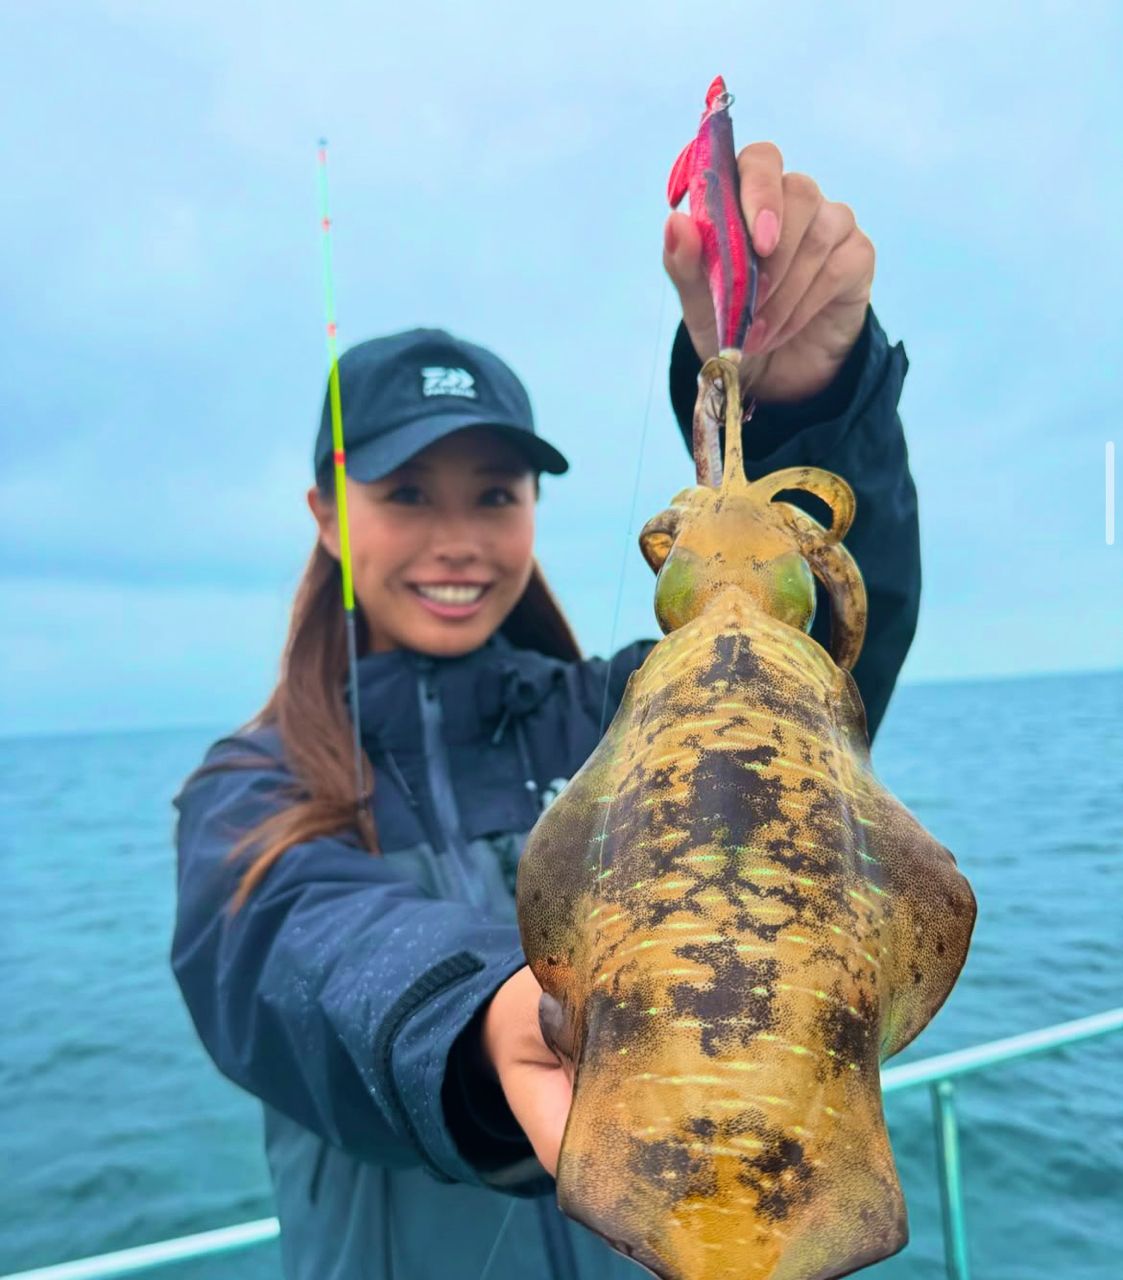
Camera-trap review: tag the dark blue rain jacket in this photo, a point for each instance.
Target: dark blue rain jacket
(346, 994)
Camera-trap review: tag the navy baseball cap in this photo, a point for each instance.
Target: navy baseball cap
(405, 391)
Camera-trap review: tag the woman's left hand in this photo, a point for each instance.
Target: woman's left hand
(816, 269)
(536, 1084)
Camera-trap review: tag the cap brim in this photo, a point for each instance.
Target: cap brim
(377, 458)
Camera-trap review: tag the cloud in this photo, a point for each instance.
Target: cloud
(500, 172)
(82, 656)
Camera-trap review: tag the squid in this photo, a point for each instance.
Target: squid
(733, 922)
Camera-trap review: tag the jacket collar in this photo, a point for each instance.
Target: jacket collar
(479, 691)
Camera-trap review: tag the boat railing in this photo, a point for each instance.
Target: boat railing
(939, 1073)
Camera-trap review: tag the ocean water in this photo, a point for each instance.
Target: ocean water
(115, 1129)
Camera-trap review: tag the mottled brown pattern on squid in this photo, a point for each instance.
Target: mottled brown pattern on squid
(740, 923)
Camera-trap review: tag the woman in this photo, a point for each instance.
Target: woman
(358, 967)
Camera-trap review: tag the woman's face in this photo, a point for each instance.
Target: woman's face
(442, 548)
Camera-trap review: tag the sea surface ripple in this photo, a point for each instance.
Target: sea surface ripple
(116, 1130)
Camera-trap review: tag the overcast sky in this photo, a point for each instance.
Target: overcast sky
(499, 169)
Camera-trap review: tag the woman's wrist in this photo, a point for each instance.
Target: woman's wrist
(535, 1084)
(476, 1108)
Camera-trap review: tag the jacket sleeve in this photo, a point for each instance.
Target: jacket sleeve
(338, 989)
(853, 429)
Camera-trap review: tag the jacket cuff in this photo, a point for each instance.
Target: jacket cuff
(419, 1066)
(782, 435)
(475, 1106)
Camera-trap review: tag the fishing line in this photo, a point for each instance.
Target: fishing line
(625, 560)
(635, 498)
(339, 462)
(612, 643)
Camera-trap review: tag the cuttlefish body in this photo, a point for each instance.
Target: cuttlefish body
(733, 922)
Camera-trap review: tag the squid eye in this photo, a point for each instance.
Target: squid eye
(792, 591)
(676, 590)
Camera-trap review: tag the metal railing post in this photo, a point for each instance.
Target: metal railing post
(951, 1180)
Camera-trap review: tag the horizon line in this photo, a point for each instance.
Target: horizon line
(40, 734)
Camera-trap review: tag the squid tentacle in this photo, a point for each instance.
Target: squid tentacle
(832, 489)
(837, 570)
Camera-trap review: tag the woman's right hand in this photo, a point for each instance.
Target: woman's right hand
(536, 1084)
(817, 270)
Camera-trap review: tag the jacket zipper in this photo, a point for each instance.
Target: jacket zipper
(555, 1238)
(442, 795)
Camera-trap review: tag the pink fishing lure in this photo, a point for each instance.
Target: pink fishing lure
(707, 169)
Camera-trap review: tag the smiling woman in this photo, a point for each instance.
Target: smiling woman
(442, 547)
(354, 961)
(441, 523)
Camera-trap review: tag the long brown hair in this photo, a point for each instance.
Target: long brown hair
(309, 708)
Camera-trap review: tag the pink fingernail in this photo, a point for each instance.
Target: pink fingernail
(766, 231)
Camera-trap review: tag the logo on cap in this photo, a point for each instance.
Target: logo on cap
(436, 380)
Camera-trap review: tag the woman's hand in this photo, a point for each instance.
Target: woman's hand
(536, 1085)
(816, 273)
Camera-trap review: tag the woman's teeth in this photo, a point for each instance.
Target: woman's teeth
(450, 594)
